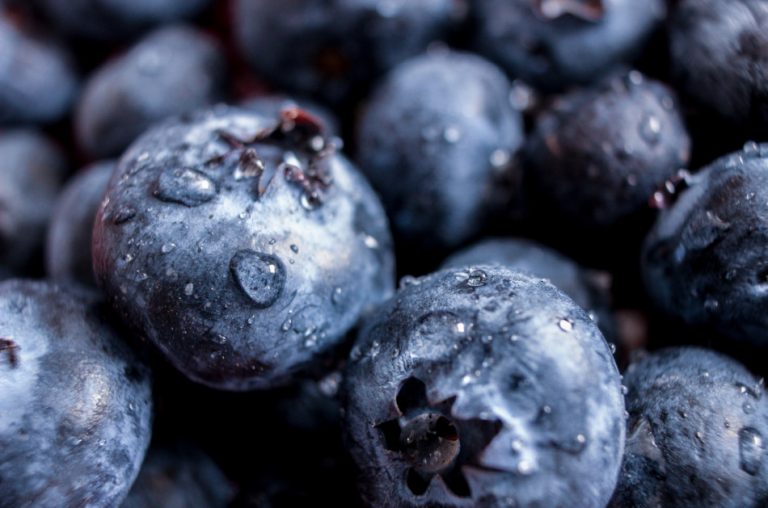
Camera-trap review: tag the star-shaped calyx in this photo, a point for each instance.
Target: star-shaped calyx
(586, 10)
(432, 442)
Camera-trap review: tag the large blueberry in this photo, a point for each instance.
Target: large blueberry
(332, 48)
(598, 154)
(243, 246)
(705, 260)
(68, 246)
(696, 433)
(31, 173)
(719, 51)
(115, 19)
(483, 387)
(170, 71)
(37, 80)
(436, 139)
(555, 43)
(75, 404)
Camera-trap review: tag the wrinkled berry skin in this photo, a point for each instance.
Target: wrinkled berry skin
(705, 259)
(695, 433)
(243, 246)
(719, 52)
(115, 19)
(332, 48)
(68, 247)
(554, 43)
(435, 139)
(171, 71)
(519, 375)
(37, 80)
(597, 156)
(179, 476)
(31, 174)
(75, 404)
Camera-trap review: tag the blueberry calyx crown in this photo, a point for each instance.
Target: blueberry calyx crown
(586, 10)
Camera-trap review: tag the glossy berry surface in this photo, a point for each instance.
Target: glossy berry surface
(75, 404)
(555, 43)
(597, 155)
(483, 387)
(331, 48)
(243, 246)
(435, 139)
(705, 259)
(31, 173)
(695, 433)
(173, 70)
(68, 245)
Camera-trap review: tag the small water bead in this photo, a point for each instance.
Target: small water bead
(565, 325)
(650, 129)
(295, 248)
(500, 158)
(189, 289)
(751, 149)
(751, 450)
(260, 276)
(452, 134)
(477, 278)
(371, 242)
(167, 247)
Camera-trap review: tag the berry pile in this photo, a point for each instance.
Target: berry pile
(206, 205)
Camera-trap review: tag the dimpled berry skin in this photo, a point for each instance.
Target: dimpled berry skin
(597, 156)
(705, 260)
(75, 402)
(435, 139)
(555, 43)
(243, 246)
(695, 433)
(719, 52)
(170, 71)
(518, 390)
(68, 248)
(331, 48)
(37, 80)
(31, 173)
(115, 19)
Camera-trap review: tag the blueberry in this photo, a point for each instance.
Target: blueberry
(243, 246)
(435, 139)
(483, 387)
(696, 433)
(179, 476)
(37, 80)
(590, 290)
(170, 71)
(332, 48)
(705, 259)
(555, 43)
(597, 156)
(116, 19)
(68, 247)
(720, 57)
(31, 174)
(75, 406)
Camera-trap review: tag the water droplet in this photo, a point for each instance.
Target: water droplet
(408, 280)
(260, 276)
(460, 327)
(185, 186)
(751, 448)
(371, 242)
(477, 278)
(624, 390)
(711, 305)
(218, 338)
(336, 296)
(565, 325)
(310, 341)
(128, 257)
(751, 149)
(466, 380)
(650, 129)
(635, 77)
(295, 248)
(517, 446)
(500, 158)
(452, 134)
(189, 289)
(748, 408)
(524, 467)
(375, 348)
(167, 247)
(612, 347)
(287, 324)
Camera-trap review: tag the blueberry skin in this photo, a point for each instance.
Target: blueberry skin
(179, 476)
(332, 49)
(31, 175)
(75, 404)
(695, 438)
(522, 376)
(719, 53)
(68, 246)
(552, 44)
(435, 139)
(115, 19)
(170, 71)
(705, 261)
(38, 82)
(597, 156)
(241, 245)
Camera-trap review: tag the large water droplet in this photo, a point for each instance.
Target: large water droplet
(185, 186)
(260, 276)
(477, 278)
(650, 129)
(751, 448)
